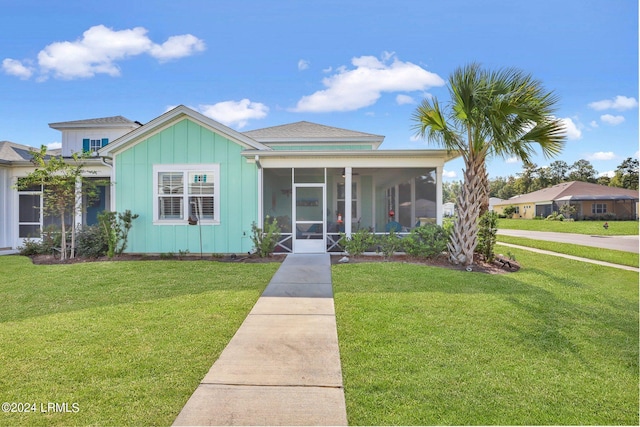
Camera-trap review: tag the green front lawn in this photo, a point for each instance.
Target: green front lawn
(554, 344)
(607, 255)
(616, 228)
(128, 342)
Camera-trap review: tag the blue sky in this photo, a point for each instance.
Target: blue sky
(361, 65)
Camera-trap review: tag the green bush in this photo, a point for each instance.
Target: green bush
(555, 216)
(91, 242)
(426, 241)
(487, 230)
(265, 241)
(358, 243)
(31, 247)
(115, 227)
(389, 244)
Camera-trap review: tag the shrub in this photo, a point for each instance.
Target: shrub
(265, 241)
(555, 216)
(487, 230)
(358, 243)
(91, 242)
(115, 227)
(509, 211)
(31, 247)
(426, 241)
(389, 244)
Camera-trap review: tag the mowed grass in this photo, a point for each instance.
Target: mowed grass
(607, 255)
(616, 228)
(554, 344)
(128, 342)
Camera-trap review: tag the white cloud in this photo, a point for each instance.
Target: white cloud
(362, 86)
(303, 64)
(449, 174)
(612, 120)
(572, 130)
(16, 68)
(177, 47)
(511, 160)
(610, 174)
(619, 103)
(602, 155)
(54, 145)
(235, 113)
(100, 49)
(404, 99)
(593, 124)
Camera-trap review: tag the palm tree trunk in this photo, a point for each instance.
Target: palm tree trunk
(486, 190)
(464, 237)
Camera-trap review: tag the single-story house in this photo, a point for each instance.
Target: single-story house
(197, 183)
(592, 201)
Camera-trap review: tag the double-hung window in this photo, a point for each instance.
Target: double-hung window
(186, 193)
(598, 208)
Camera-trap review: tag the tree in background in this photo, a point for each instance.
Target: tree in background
(583, 170)
(558, 171)
(450, 191)
(491, 113)
(626, 175)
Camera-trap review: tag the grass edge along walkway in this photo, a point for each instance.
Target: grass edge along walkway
(572, 257)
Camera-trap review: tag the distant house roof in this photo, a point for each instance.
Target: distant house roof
(12, 152)
(114, 121)
(573, 191)
(303, 131)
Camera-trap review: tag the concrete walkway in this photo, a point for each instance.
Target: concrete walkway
(282, 367)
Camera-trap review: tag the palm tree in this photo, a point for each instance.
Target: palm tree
(491, 113)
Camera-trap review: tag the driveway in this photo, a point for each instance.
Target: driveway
(620, 243)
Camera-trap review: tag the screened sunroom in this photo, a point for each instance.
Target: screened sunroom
(314, 205)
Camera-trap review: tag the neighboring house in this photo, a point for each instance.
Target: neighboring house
(197, 183)
(494, 201)
(449, 209)
(592, 201)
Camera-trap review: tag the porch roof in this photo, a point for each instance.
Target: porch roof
(445, 155)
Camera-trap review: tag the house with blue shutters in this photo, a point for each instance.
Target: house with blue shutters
(195, 182)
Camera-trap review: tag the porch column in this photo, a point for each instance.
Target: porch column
(439, 170)
(77, 209)
(347, 201)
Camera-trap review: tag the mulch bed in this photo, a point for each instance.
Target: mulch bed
(479, 266)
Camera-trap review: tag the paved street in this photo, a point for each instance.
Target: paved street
(621, 243)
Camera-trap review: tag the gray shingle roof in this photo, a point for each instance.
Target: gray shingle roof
(303, 130)
(103, 121)
(12, 152)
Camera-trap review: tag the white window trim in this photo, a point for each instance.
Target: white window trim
(213, 168)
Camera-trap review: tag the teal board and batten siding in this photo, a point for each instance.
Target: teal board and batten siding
(183, 143)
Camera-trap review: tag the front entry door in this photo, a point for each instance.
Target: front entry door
(309, 218)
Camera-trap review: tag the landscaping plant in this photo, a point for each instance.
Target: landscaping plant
(389, 244)
(358, 243)
(265, 240)
(487, 231)
(426, 241)
(115, 227)
(92, 242)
